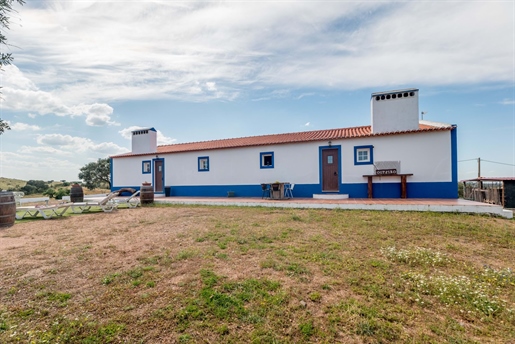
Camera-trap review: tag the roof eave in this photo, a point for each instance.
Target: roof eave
(325, 138)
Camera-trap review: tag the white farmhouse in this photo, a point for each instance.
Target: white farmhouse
(367, 161)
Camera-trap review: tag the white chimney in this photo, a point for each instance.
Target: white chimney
(144, 141)
(394, 110)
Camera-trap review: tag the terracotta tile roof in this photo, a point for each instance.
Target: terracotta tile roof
(305, 136)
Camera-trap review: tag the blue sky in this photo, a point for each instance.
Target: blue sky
(86, 73)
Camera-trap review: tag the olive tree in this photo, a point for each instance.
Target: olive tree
(6, 8)
(4, 126)
(96, 174)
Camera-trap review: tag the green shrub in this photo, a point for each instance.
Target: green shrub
(50, 193)
(62, 192)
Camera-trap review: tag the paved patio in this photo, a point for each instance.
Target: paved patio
(412, 204)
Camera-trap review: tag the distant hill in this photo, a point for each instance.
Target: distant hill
(9, 183)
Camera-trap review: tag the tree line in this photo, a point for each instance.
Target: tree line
(44, 188)
(93, 175)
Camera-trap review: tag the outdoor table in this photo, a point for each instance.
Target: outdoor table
(277, 190)
(403, 182)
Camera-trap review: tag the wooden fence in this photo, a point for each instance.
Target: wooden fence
(487, 192)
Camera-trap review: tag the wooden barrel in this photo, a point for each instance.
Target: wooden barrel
(7, 209)
(146, 195)
(76, 193)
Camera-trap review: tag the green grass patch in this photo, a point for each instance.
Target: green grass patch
(416, 256)
(109, 278)
(186, 254)
(60, 299)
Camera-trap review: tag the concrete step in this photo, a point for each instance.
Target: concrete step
(330, 196)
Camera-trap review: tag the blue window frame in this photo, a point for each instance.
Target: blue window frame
(266, 160)
(363, 155)
(146, 167)
(203, 164)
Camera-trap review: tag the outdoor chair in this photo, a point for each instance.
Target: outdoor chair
(131, 202)
(20, 199)
(18, 195)
(288, 190)
(107, 204)
(46, 211)
(265, 190)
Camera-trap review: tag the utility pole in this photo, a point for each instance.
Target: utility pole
(479, 174)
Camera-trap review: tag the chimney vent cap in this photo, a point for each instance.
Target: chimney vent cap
(407, 90)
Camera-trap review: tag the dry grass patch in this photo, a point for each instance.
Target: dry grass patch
(178, 274)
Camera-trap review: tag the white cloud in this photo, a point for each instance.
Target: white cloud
(24, 127)
(88, 52)
(275, 94)
(127, 132)
(307, 124)
(21, 94)
(164, 140)
(42, 149)
(507, 101)
(98, 120)
(34, 167)
(108, 148)
(211, 86)
(98, 115)
(63, 140)
(306, 95)
(55, 156)
(79, 144)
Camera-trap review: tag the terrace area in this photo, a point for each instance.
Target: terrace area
(413, 204)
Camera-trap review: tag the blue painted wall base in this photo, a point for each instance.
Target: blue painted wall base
(359, 190)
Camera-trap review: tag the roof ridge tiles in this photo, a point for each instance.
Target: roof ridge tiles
(266, 135)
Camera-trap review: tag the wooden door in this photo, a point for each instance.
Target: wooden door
(158, 175)
(330, 167)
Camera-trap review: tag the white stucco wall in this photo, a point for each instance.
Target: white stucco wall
(426, 155)
(128, 171)
(241, 166)
(144, 141)
(397, 114)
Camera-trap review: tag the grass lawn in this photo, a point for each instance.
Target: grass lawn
(193, 274)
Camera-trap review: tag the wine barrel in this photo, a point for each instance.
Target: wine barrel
(76, 193)
(7, 209)
(146, 195)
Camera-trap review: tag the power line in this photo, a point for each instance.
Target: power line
(493, 162)
(500, 163)
(490, 161)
